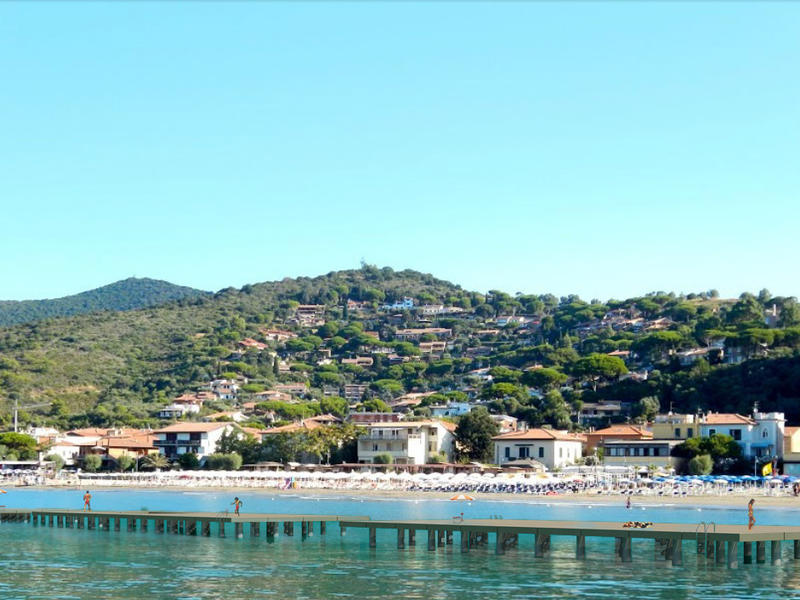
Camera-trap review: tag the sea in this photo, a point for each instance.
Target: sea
(44, 562)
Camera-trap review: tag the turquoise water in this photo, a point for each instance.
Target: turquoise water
(44, 562)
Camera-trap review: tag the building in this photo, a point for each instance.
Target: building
(451, 409)
(760, 436)
(615, 432)
(640, 453)
(791, 451)
(251, 343)
(413, 335)
(675, 427)
(432, 347)
(403, 304)
(178, 410)
(407, 442)
(359, 418)
(277, 335)
(600, 411)
(551, 447)
(236, 416)
(200, 438)
(359, 361)
(224, 389)
(355, 392)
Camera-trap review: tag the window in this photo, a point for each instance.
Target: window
(541, 452)
(374, 447)
(508, 452)
(712, 432)
(677, 432)
(736, 434)
(765, 433)
(524, 452)
(690, 432)
(560, 453)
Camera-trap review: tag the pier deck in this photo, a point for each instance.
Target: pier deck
(718, 543)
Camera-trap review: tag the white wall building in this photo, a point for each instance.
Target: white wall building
(408, 442)
(178, 410)
(553, 448)
(200, 438)
(759, 436)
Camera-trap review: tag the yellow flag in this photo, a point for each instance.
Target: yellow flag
(766, 469)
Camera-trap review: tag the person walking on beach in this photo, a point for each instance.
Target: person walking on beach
(87, 501)
(751, 520)
(236, 505)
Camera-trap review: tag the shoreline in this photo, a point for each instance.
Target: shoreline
(579, 498)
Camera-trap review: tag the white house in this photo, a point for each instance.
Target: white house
(177, 410)
(551, 447)
(200, 438)
(451, 409)
(408, 442)
(759, 436)
(404, 304)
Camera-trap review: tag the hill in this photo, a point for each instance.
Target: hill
(128, 294)
(382, 334)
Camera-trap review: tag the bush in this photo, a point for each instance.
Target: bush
(383, 459)
(92, 463)
(436, 458)
(223, 462)
(189, 461)
(125, 462)
(701, 465)
(58, 462)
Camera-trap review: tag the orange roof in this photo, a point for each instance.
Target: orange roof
(622, 430)
(192, 427)
(253, 431)
(727, 419)
(540, 434)
(306, 425)
(127, 442)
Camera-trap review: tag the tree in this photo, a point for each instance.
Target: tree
(646, 409)
(20, 444)
(58, 462)
(701, 465)
(599, 366)
(544, 378)
(223, 462)
(746, 310)
(554, 410)
(125, 462)
(189, 461)
(155, 461)
(383, 459)
(334, 405)
(474, 435)
(375, 405)
(92, 463)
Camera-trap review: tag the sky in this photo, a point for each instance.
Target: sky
(598, 148)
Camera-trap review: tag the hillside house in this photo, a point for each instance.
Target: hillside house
(551, 447)
(200, 438)
(407, 442)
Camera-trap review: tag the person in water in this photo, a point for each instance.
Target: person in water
(751, 520)
(87, 501)
(628, 503)
(236, 505)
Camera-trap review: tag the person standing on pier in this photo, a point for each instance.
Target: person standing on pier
(751, 520)
(236, 505)
(87, 501)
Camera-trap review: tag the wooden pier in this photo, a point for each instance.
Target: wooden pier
(715, 543)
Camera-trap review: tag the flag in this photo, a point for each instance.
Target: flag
(766, 469)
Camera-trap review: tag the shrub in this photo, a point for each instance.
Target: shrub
(58, 462)
(383, 459)
(189, 461)
(224, 462)
(701, 465)
(125, 462)
(92, 463)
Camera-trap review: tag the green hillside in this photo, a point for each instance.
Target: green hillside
(128, 294)
(536, 357)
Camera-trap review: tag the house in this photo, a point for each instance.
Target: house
(675, 427)
(600, 411)
(360, 418)
(277, 335)
(432, 347)
(354, 392)
(640, 453)
(551, 447)
(759, 436)
(413, 335)
(791, 451)
(407, 442)
(251, 343)
(615, 432)
(405, 303)
(236, 416)
(451, 409)
(224, 389)
(296, 389)
(408, 401)
(177, 411)
(506, 423)
(270, 395)
(200, 438)
(360, 361)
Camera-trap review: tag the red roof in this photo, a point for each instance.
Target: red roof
(622, 430)
(192, 427)
(540, 434)
(727, 419)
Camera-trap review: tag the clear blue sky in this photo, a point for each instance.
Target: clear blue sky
(605, 149)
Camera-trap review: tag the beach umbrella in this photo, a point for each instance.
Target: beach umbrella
(462, 497)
